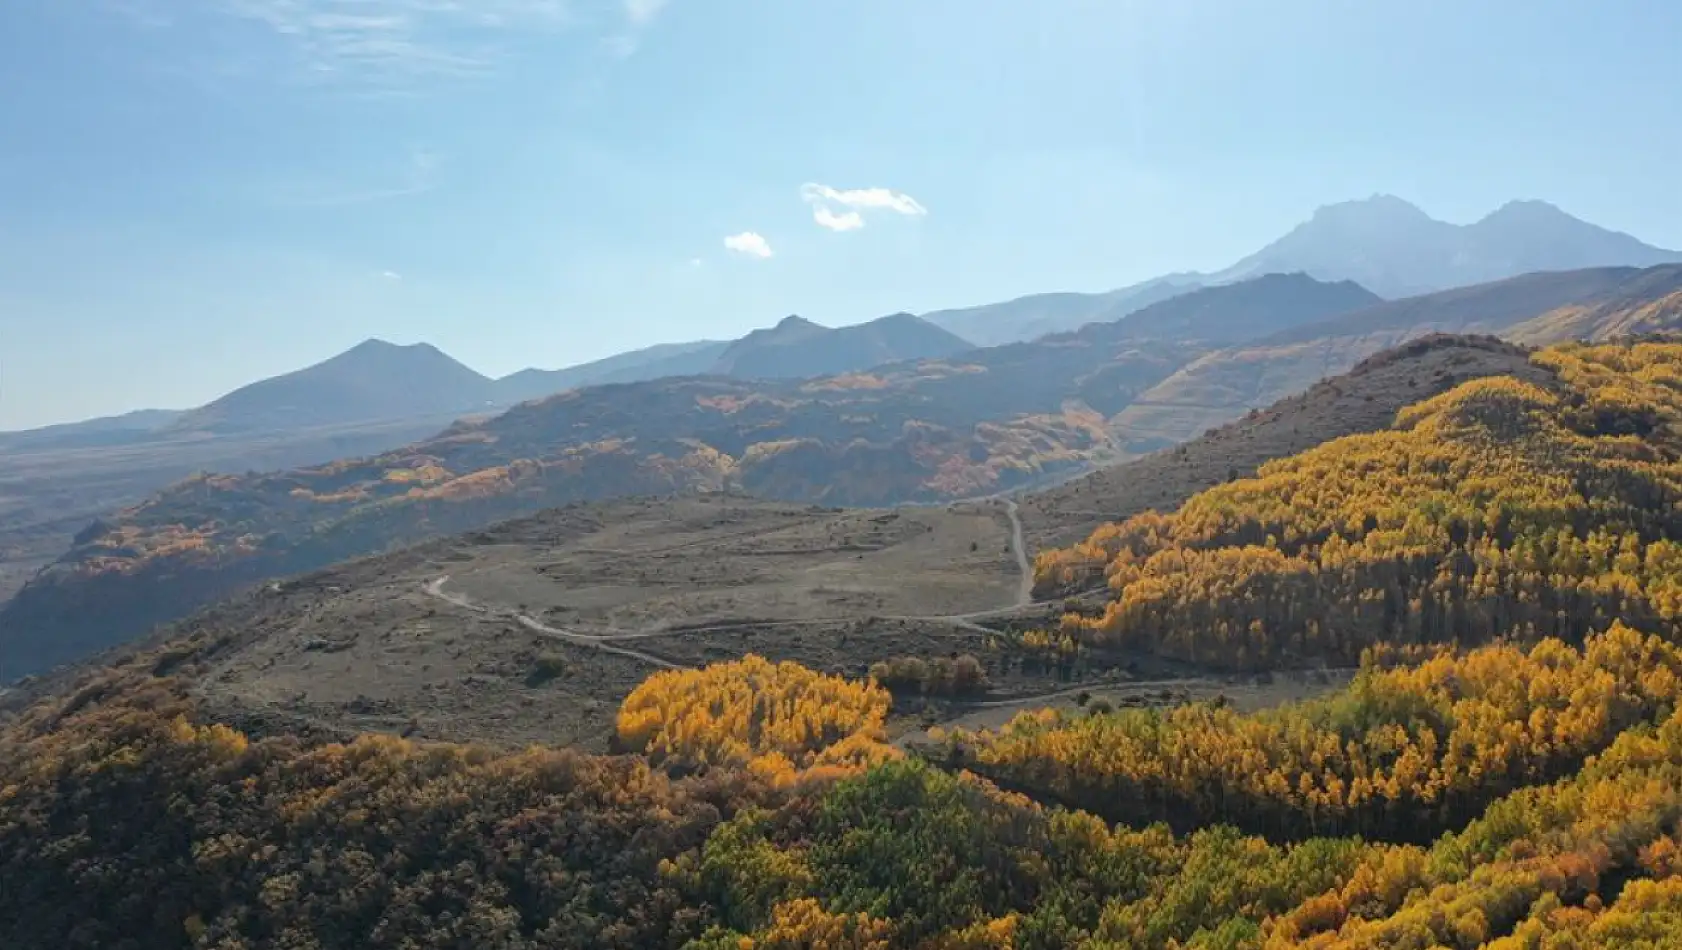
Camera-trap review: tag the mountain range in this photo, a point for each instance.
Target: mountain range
(1383, 243)
(900, 409)
(984, 421)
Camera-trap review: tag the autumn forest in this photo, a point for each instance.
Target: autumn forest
(1502, 565)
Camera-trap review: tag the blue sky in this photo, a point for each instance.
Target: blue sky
(198, 193)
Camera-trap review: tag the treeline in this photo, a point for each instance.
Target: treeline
(1498, 508)
(125, 824)
(1400, 754)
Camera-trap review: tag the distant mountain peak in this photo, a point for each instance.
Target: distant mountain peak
(375, 348)
(1528, 210)
(795, 321)
(1379, 207)
(376, 345)
(375, 379)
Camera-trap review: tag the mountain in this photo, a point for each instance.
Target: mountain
(666, 359)
(1535, 308)
(1397, 250)
(1033, 316)
(977, 423)
(1268, 304)
(1383, 243)
(796, 348)
(373, 380)
(105, 431)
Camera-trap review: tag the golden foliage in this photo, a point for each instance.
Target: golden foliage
(777, 719)
(804, 925)
(1400, 753)
(1498, 507)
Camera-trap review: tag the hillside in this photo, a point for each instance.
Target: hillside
(1499, 505)
(986, 421)
(1558, 306)
(797, 348)
(1503, 771)
(372, 381)
(1365, 399)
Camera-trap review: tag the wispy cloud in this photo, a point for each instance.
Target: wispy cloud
(749, 244)
(825, 200)
(391, 275)
(638, 16)
(382, 43)
(418, 175)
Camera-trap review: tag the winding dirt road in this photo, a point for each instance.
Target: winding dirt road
(1019, 547)
(435, 588)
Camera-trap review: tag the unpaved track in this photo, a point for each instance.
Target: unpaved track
(1025, 584)
(435, 588)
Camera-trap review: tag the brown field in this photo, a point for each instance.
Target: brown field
(534, 630)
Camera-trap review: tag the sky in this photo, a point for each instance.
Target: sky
(198, 193)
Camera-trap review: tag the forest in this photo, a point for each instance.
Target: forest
(1504, 771)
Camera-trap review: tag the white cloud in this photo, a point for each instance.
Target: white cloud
(845, 221)
(854, 202)
(872, 199)
(391, 275)
(749, 244)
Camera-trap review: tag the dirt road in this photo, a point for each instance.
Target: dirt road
(435, 588)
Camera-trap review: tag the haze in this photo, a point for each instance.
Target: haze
(198, 193)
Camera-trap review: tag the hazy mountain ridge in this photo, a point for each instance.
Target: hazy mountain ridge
(373, 380)
(797, 348)
(1383, 243)
(1036, 315)
(665, 359)
(1538, 308)
(1397, 250)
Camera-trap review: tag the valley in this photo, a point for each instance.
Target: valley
(648, 475)
(784, 677)
(445, 639)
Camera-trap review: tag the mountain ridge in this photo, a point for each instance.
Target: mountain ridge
(1384, 243)
(370, 381)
